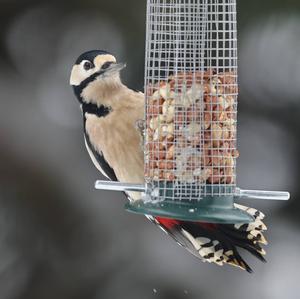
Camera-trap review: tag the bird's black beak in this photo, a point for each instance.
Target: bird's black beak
(114, 68)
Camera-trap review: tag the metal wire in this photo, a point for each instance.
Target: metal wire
(191, 98)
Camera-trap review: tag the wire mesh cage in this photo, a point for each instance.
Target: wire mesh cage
(191, 91)
(191, 97)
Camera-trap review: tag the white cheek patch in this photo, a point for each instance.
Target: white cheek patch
(76, 77)
(78, 74)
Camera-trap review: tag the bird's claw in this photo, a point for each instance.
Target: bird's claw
(140, 126)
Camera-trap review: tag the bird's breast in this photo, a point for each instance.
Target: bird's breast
(117, 138)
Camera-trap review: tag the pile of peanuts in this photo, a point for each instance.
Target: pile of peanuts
(191, 128)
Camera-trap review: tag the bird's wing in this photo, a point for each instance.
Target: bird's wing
(99, 160)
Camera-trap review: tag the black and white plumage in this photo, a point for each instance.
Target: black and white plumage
(110, 114)
(110, 111)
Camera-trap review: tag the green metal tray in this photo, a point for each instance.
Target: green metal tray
(210, 208)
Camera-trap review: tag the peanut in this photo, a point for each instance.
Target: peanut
(169, 176)
(235, 153)
(216, 177)
(154, 107)
(155, 122)
(202, 174)
(194, 129)
(168, 110)
(170, 153)
(166, 165)
(166, 92)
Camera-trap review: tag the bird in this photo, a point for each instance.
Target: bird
(110, 112)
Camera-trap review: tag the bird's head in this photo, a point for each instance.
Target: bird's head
(94, 74)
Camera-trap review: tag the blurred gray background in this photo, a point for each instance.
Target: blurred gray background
(59, 238)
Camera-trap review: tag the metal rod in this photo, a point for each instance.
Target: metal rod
(116, 186)
(258, 194)
(253, 194)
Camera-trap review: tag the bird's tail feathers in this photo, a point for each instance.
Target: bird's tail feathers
(219, 243)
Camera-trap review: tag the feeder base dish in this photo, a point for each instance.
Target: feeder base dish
(208, 209)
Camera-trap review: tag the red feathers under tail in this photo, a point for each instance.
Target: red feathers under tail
(219, 243)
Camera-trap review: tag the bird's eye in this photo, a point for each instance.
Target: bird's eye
(106, 65)
(87, 65)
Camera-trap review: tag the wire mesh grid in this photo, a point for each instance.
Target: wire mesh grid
(191, 98)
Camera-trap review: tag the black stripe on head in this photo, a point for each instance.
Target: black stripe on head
(91, 55)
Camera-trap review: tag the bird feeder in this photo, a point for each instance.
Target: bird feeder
(191, 91)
